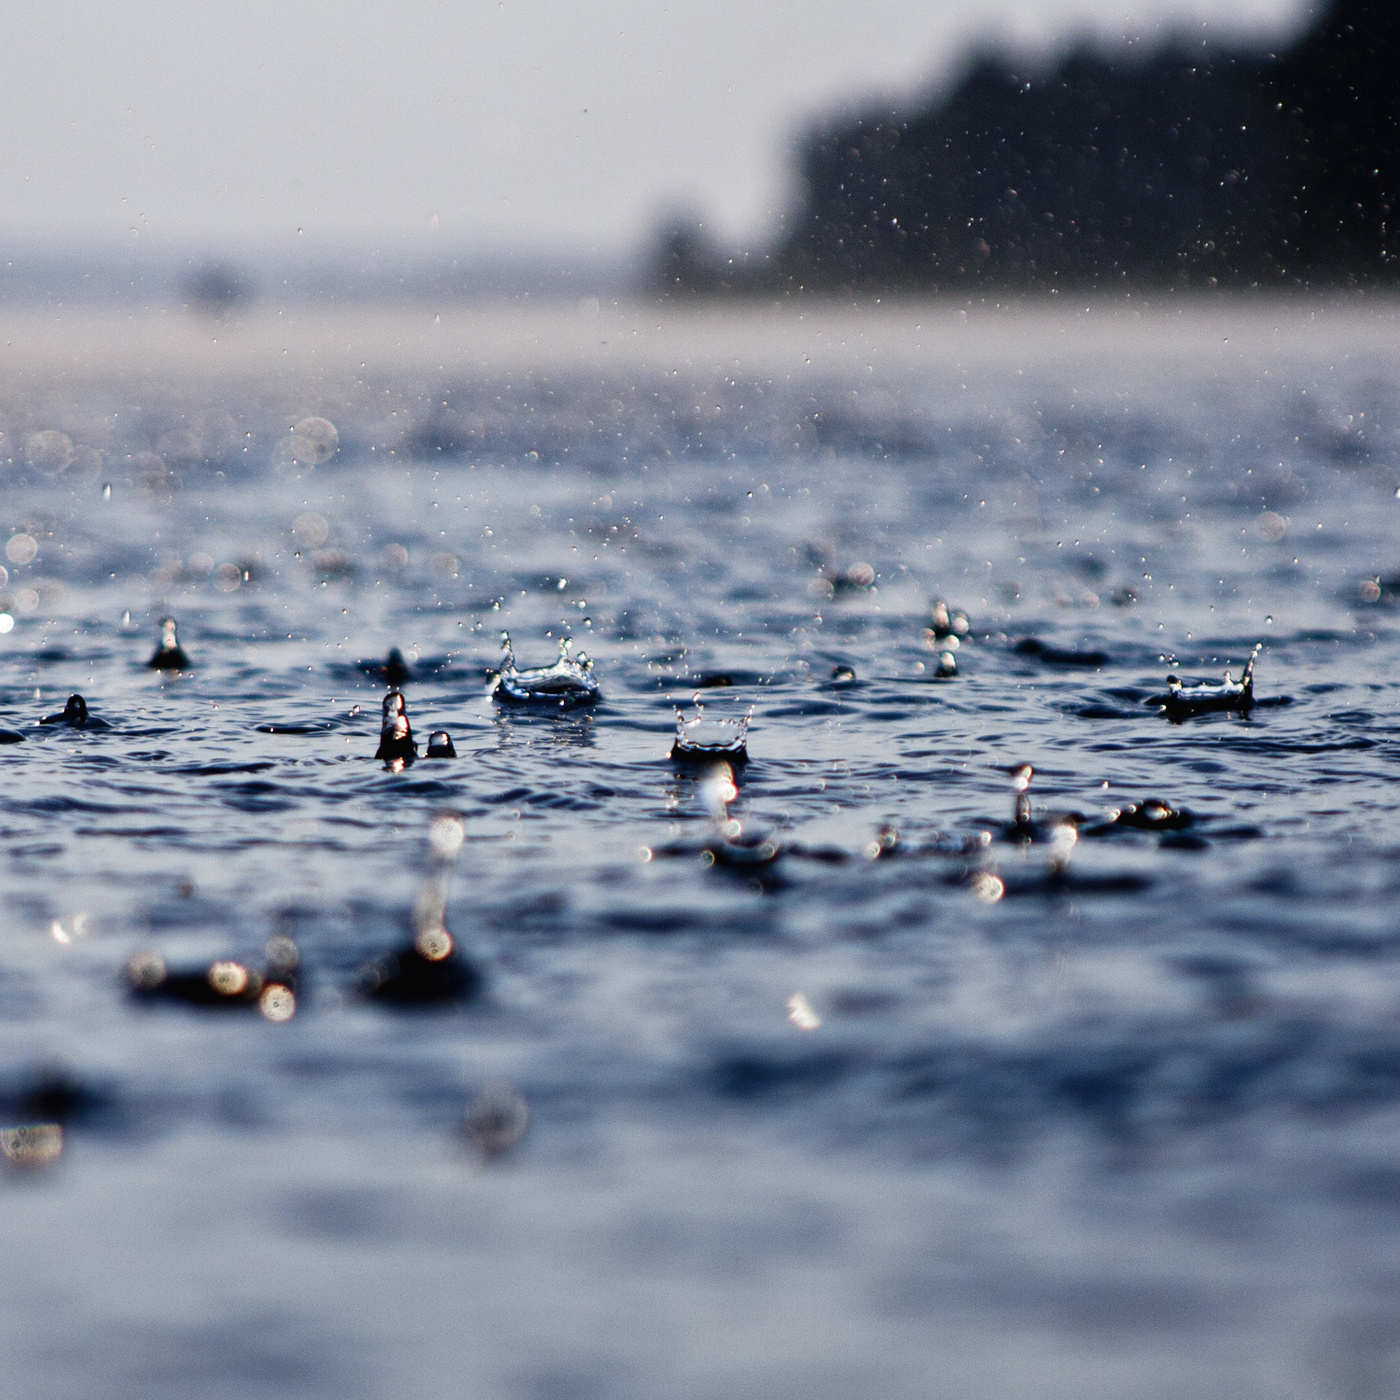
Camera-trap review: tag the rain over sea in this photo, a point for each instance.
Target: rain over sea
(989, 1017)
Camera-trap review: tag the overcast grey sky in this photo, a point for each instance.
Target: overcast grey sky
(496, 123)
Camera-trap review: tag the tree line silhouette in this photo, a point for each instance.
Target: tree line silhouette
(1194, 166)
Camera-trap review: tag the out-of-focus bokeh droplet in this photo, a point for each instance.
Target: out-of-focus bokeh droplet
(277, 1003)
(497, 1119)
(48, 452)
(228, 978)
(310, 529)
(145, 970)
(32, 1146)
(986, 887)
(446, 833)
(313, 441)
(21, 549)
(434, 944)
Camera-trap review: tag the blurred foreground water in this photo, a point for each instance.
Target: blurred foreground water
(900, 1115)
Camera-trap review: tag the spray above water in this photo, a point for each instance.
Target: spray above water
(950, 628)
(730, 845)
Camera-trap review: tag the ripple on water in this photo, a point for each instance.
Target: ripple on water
(1129, 1022)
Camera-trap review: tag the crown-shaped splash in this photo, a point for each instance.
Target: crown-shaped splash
(569, 681)
(702, 737)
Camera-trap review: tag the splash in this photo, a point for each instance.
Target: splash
(701, 738)
(1182, 701)
(225, 983)
(169, 655)
(430, 970)
(568, 681)
(397, 747)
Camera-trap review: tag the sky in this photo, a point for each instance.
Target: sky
(499, 125)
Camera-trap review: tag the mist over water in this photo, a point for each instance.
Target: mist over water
(911, 1110)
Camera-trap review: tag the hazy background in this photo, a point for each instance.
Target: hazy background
(484, 127)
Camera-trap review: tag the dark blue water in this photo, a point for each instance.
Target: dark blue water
(932, 1113)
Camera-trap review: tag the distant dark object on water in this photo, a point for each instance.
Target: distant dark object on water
(1055, 656)
(216, 288)
(393, 670)
(75, 716)
(843, 676)
(169, 655)
(440, 745)
(1195, 165)
(11, 736)
(395, 733)
(1182, 701)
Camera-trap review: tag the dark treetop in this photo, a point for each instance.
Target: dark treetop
(1196, 166)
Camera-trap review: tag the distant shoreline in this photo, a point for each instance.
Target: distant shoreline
(341, 351)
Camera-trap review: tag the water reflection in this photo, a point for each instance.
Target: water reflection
(519, 729)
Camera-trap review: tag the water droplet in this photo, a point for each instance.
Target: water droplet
(313, 441)
(497, 1119)
(277, 1003)
(48, 452)
(21, 549)
(801, 1014)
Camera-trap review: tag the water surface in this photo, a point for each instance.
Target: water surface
(1122, 1128)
